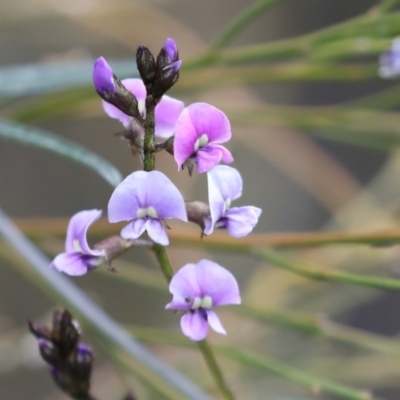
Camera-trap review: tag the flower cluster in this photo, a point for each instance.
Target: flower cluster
(147, 199)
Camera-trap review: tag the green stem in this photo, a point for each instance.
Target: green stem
(214, 369)
(163, 261)
(149, 128)
(332, 276)
(240, 22)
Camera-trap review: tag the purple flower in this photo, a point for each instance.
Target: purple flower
(79, 258)
(389, 62)
(103, 76)
(196, 288)
(146, 199)
(224, 185)
(167, 110)
(199, 130)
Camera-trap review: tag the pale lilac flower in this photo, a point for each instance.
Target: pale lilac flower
(79, 258)
(389, 62)
(103, 76)
(225, 185)
(196, 288)
(199, 131)
(146, 199)
(166, 114)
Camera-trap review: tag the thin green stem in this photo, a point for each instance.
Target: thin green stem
(163, 261)
(332, 276)
(149, 128)
(214, 369)
(240, 22)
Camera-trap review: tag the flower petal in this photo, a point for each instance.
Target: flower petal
(134, 229)
(164, 196)
(103, 76)
(128, 197)
(75, 264)
(207, 158)
(167, 113)
(215, 322)
(218, 283)
(171, 48)
(194, 326)
(184, 285)
(156, 232)
(137, 88)
(227, 181)
(77, 230)
(240, 221)
(185, 138)
(211, 121)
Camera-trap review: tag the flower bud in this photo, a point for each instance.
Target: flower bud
(39, 330)
(146, 64)
(81, 362)
(111, 89)
(65, 334)
(49, 352)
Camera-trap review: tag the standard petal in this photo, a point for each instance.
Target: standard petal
(218, 283)
(77, 230)
(134, 229)
(215, 322)
(156, 232)
(211, 121)
(74, 264)
(240, 221)
(167, 113)
(227, 181)
(194, 326)
(184, 284)
(164, 196)
(114, 112)
(185, 138)
(128, 197)
(207, 158)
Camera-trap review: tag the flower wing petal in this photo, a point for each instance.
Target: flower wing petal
(215, 322)
(194, 326)
(115, 113)
(128, 197)
(77, 230)
(157, 232)
(136, 87)
(207, 158)
(218, 283)
(71, 263)
(167, 113)
(134, 229)
(240, 221)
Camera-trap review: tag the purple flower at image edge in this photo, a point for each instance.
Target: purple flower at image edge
(199, 131)
(389, 61)
(196, 288)
(166, 114)
(79, 258)
(146, 199)
(225, 185)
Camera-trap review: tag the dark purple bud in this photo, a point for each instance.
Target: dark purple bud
(129, 396)
(81, 362)
(197, 211)
(39, 330)
(146, 64)
(65, 333)
(103, 76)
(49, 352)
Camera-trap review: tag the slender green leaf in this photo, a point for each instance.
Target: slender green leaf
(48, 141)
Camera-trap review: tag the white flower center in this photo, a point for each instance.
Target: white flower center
(77, 246)
(201, 141)
(227, 204)
(147, 212)
(205, 302)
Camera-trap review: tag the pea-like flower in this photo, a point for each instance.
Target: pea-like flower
(196, 288)
(166, 114)
(389, 61)
(225, 185)
(79, 258)
(146, 199)
(199, 131)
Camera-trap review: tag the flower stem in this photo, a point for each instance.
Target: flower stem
(163, 261)
(149, 130)
(214, 369)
